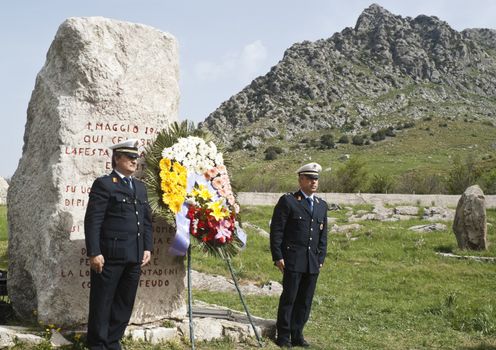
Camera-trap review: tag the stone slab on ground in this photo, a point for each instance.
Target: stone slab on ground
(219, 283)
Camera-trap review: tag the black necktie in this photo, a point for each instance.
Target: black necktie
(310, 203)
(128, 181)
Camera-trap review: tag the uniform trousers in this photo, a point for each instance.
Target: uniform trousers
(294, 304)
(112, 296)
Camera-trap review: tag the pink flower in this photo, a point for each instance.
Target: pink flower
(223, 231)
(236, 208)
(217, 183)
(222, 169)
(222, 192)
(211, 173)
(230, 199)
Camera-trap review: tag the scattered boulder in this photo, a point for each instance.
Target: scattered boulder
(346, 228)
(438, 214)
(428, 228)
(470, 224)
(257, 229)
(217, 283)
(406, 210)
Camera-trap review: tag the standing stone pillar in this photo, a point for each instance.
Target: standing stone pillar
(103, 81)
(470, 225)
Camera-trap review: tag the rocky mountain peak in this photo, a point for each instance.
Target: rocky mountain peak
(387, 68)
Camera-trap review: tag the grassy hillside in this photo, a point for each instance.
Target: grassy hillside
(429, 148)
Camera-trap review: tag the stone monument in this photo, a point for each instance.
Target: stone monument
(103, 81)
(470, 224)
(4, 187)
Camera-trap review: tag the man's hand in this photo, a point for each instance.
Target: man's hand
(280, 264)
(146, 258)
(97, 262)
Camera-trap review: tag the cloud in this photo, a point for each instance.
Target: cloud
(243, 65)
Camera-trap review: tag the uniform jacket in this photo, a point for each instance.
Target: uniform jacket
(298, 236)
(117, 223)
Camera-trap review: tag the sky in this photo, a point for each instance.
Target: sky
(223, 44)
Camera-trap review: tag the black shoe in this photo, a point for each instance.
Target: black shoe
(300, 342)
(283, 343)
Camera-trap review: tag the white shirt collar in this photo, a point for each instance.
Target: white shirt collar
(122, 176)
(305, 195)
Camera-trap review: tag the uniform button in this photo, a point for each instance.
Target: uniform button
(138, 223)
(312, 220)
(138, 234)
(311, 229)
(308, 248)
(310, 238)
(300, 217)
(136, 213)
(123, 200)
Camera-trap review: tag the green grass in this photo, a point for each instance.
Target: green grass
(385, 289)
(382, 288)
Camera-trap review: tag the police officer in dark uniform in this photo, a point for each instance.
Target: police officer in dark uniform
(298, 243)
(118, 235)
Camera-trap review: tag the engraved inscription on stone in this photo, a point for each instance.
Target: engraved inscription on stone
(104, 81)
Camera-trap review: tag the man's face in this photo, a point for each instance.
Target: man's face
(125, 165)
(308, 185)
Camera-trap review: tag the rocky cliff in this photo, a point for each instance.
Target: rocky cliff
(385, 70)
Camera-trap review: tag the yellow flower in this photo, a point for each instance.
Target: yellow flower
(178, 168)
(165, 164)
(202, 192)
(217, 210)
(173, 183)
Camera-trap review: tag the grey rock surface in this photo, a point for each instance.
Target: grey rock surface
(470, 224)
(385, 71)
(438, 214)
(428, 228)
(103, 81)
(218, 283)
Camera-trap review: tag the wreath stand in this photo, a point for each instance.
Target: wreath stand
(190, 301)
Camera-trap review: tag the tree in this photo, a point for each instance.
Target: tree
(381, 183)
(352, 177)
(462, 174)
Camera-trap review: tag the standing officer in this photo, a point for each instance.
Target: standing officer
(298, 243)
(118, 235)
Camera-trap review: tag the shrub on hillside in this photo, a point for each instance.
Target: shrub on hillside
(352, 177)
(272, 152)
(379, 135)
(381, 183)
(419, 183)
(344, 139)
(357, 140)
(327, 141)
(462, 174)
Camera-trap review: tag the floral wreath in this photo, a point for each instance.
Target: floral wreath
(189, 186)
